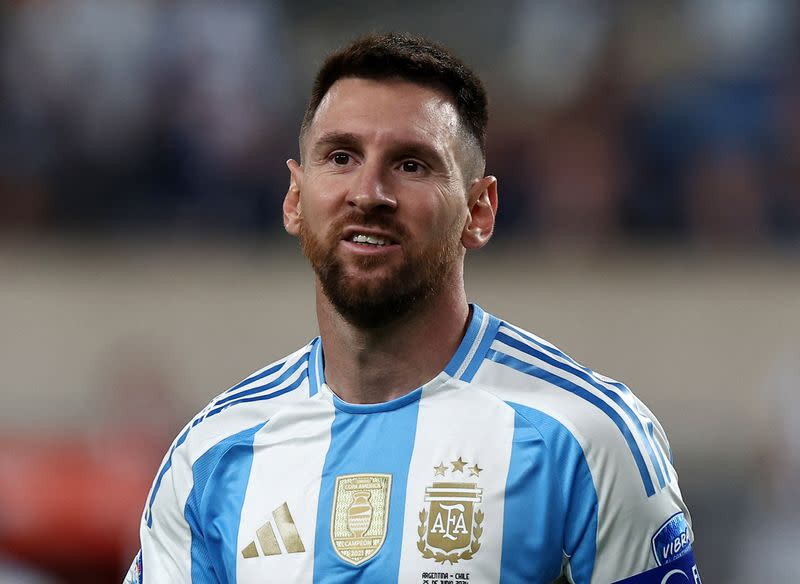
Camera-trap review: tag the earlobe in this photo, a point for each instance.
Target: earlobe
(292, 211)
(482, 211)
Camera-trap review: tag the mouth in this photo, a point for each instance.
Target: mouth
(368, 237)
(361, 240)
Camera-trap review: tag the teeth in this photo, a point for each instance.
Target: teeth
(370, 239)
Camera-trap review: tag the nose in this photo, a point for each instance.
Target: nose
(370, 191)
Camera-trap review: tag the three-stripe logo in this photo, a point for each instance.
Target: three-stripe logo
(267, 540)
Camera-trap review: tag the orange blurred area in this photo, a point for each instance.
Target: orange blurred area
(71, 505)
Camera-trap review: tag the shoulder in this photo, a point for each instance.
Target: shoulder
(235, 415)
(612, 426)
(255, 399)
(616, 446)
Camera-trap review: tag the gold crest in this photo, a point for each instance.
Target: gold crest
(450, 527)
(360, 515)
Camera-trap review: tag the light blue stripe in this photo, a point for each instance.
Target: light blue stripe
(297, 383)
(274, 383)
(588, 378)
(381, 442)
(480, 353)
(620, 386)
(466, 343)
(214, 507)
(313, 367)
(549, 484)
(577, 390)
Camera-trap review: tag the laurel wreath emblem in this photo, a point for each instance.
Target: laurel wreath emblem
(453, 558)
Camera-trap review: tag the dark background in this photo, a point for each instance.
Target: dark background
(648, 156)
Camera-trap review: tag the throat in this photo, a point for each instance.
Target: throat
(379, 365)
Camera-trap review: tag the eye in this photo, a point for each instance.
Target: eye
(411, 166)
(340, 158)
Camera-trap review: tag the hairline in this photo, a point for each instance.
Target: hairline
(475, 158)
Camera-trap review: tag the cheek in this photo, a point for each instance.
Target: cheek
(317, 204)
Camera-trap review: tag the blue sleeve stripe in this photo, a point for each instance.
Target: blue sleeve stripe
(214, 522)
(620, 386)
(272, 384)
(291, 387)
(534, 371)
(591, 380)
(257, 376)
(556, 353)
(659, 450)
(480, 353)
(214, 411)
(160, 476)
(467, 342)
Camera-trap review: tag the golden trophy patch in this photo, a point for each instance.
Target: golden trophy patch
(360, 515)
(450, 526)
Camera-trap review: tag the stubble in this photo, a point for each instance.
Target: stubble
(368, 296)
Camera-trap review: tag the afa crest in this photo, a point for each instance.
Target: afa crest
(450, 526)
(360, 515)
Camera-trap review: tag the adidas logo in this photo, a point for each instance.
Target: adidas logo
(266, 538)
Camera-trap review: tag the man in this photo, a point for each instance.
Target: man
(418, 439)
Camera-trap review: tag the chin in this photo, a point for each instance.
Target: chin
(373, 303)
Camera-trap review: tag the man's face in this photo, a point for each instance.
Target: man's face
(382, 199)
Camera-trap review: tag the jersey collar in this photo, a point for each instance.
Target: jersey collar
(465, 362)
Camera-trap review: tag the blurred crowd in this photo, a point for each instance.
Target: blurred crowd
(610, 120)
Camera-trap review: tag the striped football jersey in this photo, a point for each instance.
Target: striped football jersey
(515, 464)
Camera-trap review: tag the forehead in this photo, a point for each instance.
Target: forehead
(386, 110)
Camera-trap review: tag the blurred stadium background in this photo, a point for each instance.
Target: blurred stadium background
(648, 155)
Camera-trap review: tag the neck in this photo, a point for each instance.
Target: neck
(365, 366)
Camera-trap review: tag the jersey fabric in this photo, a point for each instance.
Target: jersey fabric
(514, 465)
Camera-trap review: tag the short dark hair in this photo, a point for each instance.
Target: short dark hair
(410, 58)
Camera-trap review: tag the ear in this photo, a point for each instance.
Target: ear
(482, 209)
(292, 211)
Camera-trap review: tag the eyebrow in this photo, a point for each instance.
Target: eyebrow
(411, 148)
(336, 139)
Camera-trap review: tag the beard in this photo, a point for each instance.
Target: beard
(372, 300)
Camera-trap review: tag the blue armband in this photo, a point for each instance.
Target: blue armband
(680, 571)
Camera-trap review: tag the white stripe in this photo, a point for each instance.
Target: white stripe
(456, 419)
(286, 475)
(167, 546)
